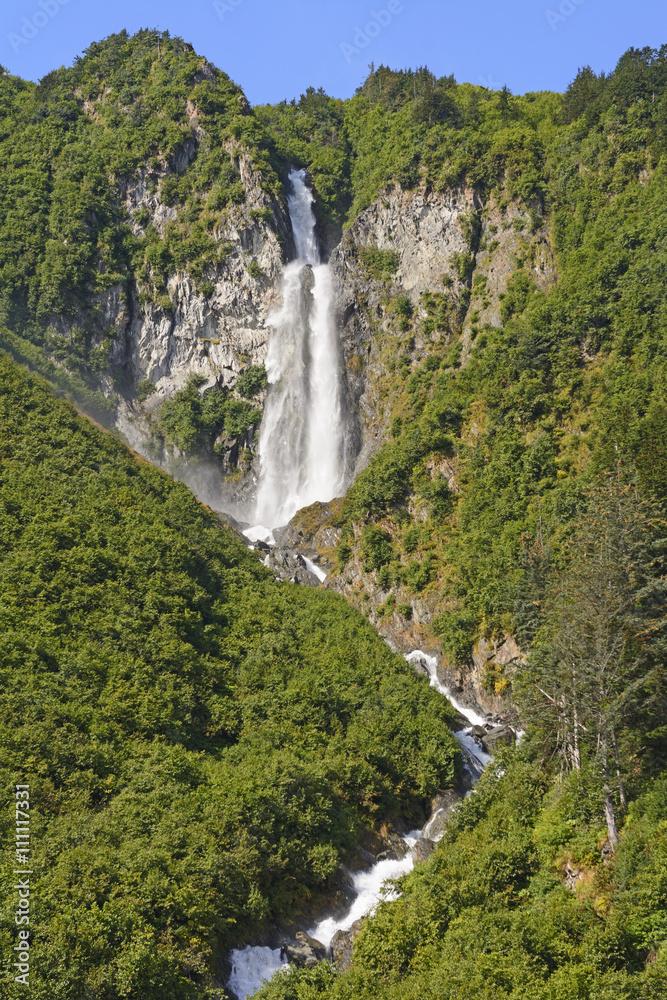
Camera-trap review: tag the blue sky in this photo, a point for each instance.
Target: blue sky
(276, 48)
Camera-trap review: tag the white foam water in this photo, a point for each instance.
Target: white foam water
(253, 965)
(430, 663)
(314, 569)
(428, 829)
(302, 436)
(258, 533)
(370, 886)
(474, 756)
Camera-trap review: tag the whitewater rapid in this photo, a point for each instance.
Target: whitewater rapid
(475, 759)
(251, 966)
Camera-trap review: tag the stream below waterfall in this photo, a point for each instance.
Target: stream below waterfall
(302, 459)
(252, 965)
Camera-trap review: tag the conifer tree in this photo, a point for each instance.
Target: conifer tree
(597, 667)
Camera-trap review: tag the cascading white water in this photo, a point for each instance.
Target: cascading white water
(302, 437)
(251, 966)
(369, 886)
(474, 757)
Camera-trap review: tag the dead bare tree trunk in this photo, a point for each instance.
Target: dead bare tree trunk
(610, 817)
(621, 786)
(576, 761)
(609, 808)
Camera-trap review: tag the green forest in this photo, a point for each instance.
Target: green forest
(206, 745)
(551, 880)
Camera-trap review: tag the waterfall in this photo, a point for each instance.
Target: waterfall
(302, 437)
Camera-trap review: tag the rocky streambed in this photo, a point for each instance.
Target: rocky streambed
(331, 938)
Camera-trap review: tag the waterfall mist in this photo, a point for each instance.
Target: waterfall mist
(302, 437)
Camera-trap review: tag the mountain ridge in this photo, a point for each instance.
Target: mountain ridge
(205, 743)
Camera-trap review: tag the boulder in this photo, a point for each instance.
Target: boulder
(366, 859)
(234, 526)
(290, 566)
(307, 941)
(307, 278)
(422, 850)
(441, 808)
(304, 952)
(499, 735)
(396, 850)
(341, 946)
(479, 732)
(572, 875)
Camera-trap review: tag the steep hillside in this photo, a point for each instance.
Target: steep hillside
(203, 744)
(498, 264)
(503, 323)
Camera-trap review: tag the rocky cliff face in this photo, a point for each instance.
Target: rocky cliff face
(214, 328)
(407, 245)
(422, 231)
(452, 235)
(216, 333)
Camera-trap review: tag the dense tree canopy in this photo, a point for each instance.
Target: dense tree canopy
(203, 743)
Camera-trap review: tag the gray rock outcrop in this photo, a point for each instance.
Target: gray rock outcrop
(305, 952)
(396, 850)
(441, 809)
(498, 736)
(422, 850)
(428, 231)
(289, 565)
(342, 944)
